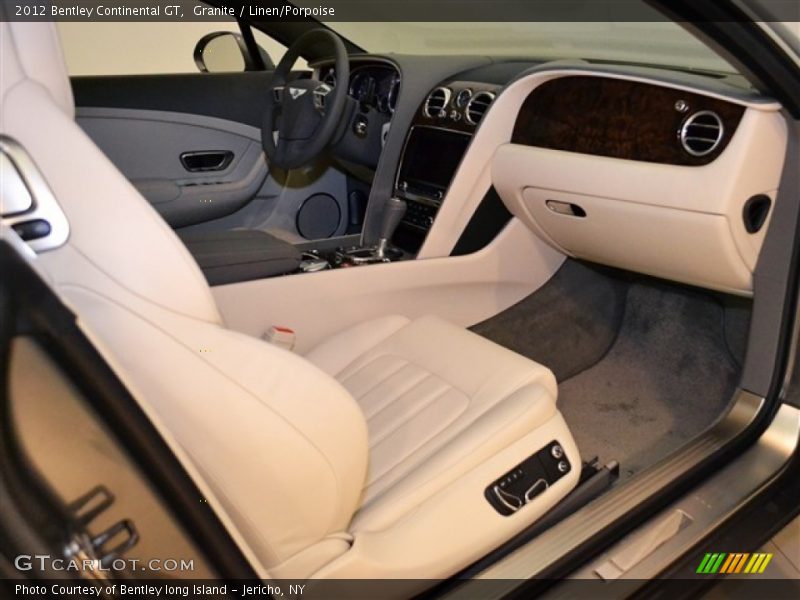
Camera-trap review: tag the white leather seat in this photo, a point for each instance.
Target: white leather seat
(369, 457)
(438, 400)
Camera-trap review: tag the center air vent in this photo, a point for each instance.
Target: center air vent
(436, 101)
(477, 106)
(702, 133)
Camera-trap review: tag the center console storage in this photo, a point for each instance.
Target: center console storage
(240, 255)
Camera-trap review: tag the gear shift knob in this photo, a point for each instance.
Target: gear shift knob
(394, 212)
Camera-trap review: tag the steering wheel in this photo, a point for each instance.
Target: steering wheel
(301, 117)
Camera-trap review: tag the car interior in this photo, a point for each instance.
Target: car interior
(395, 314)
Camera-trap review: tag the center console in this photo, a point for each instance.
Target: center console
(437, 141)
(317, 259)
(439, 137)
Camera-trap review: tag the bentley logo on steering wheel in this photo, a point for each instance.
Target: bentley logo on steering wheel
(295, 93)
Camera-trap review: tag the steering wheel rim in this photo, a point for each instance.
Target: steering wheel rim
(306, 113)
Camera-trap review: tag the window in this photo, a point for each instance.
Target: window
(127, 48)
(655, 43)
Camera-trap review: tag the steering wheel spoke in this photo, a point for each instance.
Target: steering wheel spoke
(301, 116)
(320, 94)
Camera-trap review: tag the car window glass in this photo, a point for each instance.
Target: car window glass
(127, 48)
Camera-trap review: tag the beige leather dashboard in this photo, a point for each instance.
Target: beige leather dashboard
(643, 175)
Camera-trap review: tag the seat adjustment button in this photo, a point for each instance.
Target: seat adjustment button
(32, 230)
(530, 478)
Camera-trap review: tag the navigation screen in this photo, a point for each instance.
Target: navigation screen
(432, 156)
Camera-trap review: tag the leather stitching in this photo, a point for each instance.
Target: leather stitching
(409, 385)
(409, 416)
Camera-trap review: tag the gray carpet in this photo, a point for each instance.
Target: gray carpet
(643, 366)
(568, 325)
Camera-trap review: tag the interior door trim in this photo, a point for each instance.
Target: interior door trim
(97, 112)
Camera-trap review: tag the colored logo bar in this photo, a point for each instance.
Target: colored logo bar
(734, 562)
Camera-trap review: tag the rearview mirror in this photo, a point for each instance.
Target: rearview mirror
(226, 52)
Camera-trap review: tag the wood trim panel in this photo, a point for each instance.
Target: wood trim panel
(617, 118)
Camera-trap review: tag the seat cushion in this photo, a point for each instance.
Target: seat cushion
(438, 400)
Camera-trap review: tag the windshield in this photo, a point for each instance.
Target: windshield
(657, 43)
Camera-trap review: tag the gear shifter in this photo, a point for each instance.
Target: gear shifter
(384, 251)
(394, 212)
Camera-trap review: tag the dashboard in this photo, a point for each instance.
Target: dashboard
(377, 86)
(374, 85)
(373, 91)
(644, 173)
(619, 118)
(440, 134)
(668, 173)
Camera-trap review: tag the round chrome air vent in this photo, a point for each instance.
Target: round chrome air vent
(436, 101)
(702, 133)
(477, 106)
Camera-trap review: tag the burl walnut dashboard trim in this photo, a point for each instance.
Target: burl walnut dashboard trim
(618, 118)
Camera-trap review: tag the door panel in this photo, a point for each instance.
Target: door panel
(147, 123)
(283, 198)
(237, 97)
(148, 147)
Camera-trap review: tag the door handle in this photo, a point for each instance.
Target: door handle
(206, 160)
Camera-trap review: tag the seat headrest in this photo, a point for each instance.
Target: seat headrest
(33, 51)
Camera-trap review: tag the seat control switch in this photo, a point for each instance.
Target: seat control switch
(512, 491)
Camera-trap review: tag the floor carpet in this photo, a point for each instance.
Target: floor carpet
(643, 365)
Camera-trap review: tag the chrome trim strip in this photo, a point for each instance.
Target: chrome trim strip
(45, 206)
(14, 195)
(533, 558)
(710, 504)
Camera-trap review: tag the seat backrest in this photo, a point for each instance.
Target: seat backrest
(279, 445)
(111, 226)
